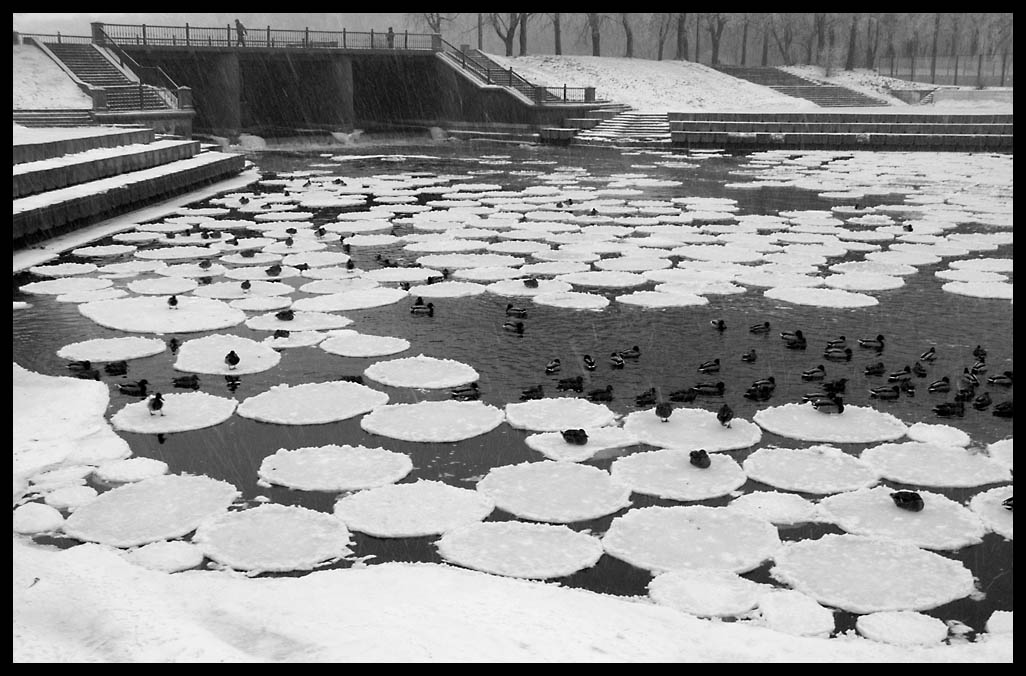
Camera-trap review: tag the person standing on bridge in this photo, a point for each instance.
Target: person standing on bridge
(240, 34)
(391, 38)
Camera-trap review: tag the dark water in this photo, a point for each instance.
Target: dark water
(672, 341)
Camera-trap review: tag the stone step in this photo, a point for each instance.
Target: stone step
(45, 144)
(870, 141)
(842, 127)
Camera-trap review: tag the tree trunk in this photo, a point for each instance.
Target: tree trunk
(933, 54)
(849, 63)
(682, 37)
(596, 36)
(765, 46)
(870, 43)
(628, 36)
(480, 32)
(698, 39)
(523, 34)
(744, 44)
(557, 34)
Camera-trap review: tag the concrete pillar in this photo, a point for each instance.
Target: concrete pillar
(221, 101)
(184, 97)
(589, 94)
(97, 32)
(339, 92)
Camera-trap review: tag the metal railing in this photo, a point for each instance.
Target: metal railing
(58, 38)
(151, 75)
(228, 36)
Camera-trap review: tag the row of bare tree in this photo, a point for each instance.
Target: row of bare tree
(831, 40)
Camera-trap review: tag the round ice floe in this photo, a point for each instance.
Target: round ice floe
(555, 492)
(273, 538)
(956, 275)
(706, 593)
(691, 429)
(262, 303)
(181, 413)
(931, 464)
(169, 226)
(396, 275)
(63, 269)
(316, 259)
(856, 425)
(70, 497)
(167, 556)
(781, 509)
(554, 268)
(863, 282)
(700, 289)
(995, 516)
(873, 268)
(453, 261)
(608, 279)
(112, 349)
(902, 257)
(821, 297)
(793, 612)
(130, 469)
(489, 274)
(865, 575)
(312, 403)
(941, 524)
(421, 372)
(633, 263)
(149, 314)
(448, 290)
(1001, 451)
(68, 475)
(661, 299)
(334, 468)
(257, 259)
(171, 253)
(660, 539)
(191, 270)
(524, 550)
(433, 421)
(63, 285)
(160, 508)
(554, 415)
(258, 288)
(572, 300)
(553, 446)
(90, 296)
(413, 509)
(355, 299)
(817, 469)
(349, 343)
(338, 285)
(668, 473)
(776, 279)
(162, 285)
(1001, 290)
(902, 627)
(137, 237)
(938, 434)
(35, 517)
(259, 272)
(207, 355)
(131, 268)
(984, 264)
(301, 321)
(295, 339)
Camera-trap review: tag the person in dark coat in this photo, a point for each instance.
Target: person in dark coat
(240, 34)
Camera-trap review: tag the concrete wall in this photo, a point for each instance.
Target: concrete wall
(972, 95)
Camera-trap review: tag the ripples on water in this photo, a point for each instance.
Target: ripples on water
(672, 341)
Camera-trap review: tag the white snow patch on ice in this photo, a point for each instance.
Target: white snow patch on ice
(554, 492)
(817, 469)
(412, 509)
(668, 473)
(433, 421)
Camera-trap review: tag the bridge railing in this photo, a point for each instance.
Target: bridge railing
(151, 75)
(58, 38)
(227, 36)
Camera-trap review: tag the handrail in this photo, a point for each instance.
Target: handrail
(134, 65)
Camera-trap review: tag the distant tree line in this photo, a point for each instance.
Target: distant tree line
(831, 40)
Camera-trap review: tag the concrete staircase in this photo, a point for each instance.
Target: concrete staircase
(93, 68)
(54, 118)
(823, 95)
(624, 128)
(66, 178)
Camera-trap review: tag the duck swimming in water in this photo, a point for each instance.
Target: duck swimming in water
(840, 341)
(889, 392)
(536, 392)
(919, 370)
(1005, 379)
(817, 373)
(589, 363)
(978, 368)
(427, 310)
(685, 396)
(837, 353)
(712, 366)
(749, 356)
(982, 402)
(700, 459)
(790, 336)
(646, 398)
(136, 389)
(709, 389)
(664, 410)
(232, 359)
(719, 325)
(1004, 409)
(942, 385)
(950, 409)
(754, 393)
(116, 368)
(725, 415)
(466, 393)
(632, 353)
(616, 361)
(929, 355)
(829, 405)
(872, 343)
(903, 374)
(877, 369)
(908, 500)
(835, 386)
(759, 328)
(81, 365)
(515, 311)
(552, 367)
(515, 327)
(979, 352)
(604, 394)
(156, 403)
(188, 382)
(796, 344)
(87, 374)
(968, 378)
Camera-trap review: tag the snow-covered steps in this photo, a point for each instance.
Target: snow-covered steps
(628, 128)
(32, 145)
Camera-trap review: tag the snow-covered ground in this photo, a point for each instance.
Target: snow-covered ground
(40, 84)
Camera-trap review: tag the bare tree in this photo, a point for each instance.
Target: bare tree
(715, 23)
(849, 62)
(435, 21)
(593, 27)
(660, 24)
(746, 19)
(782, 28)
(557, 32)
(933, 50)
(628, 32)
(872, 40)
(682, 36)
(698, 36)
(524, 16)
(506, 28)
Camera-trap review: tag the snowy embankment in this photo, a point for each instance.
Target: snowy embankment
(40, 84)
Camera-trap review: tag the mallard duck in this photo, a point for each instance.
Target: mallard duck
(950, 409)
(273, 271)
(837, 353)
(817, 373)
(303, 267)
(467, 393)
(536, 392)
(189, 382)
(632, 353)
(205, 280)
(1005, 379)
(173, 345)
(289, 241)
(710, 389)
(1007, 503)
(877, 369)
(719, 325)
(427, 310)
(979, 352)
(907, 387)
(767, 383)
(87, 374)
(81, 365)
(978, 368)
(982, 402)
(835, 386)
(515, 311)
(684, 396)
(515, 327)
(758, 393)
(903, 374)
(700, 459)
(616, 361)
(885, 392)
(872, 343)
(589, 363)
(759, 328)
(965, 393)
(919, 370)
(829, 405)
(942, 385)
(577, 437)
(908, 500)
(245, 253)
(285, 315)
(969, 378)
(604, 394)
(576, 384)
(929, 355)
(749, 356)
(320, 232)
(1004, 409)
(136, 389)
(790, 336)
(206, 264)
(646, 398)
(172, 302)
(664, 410)
(232, 359)
(281, 333)
(116, 368)
(156, 403)
(553, 367)
(712, 366)
(531, 283)
(798, 344)
(840, 341)
(725, 415)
